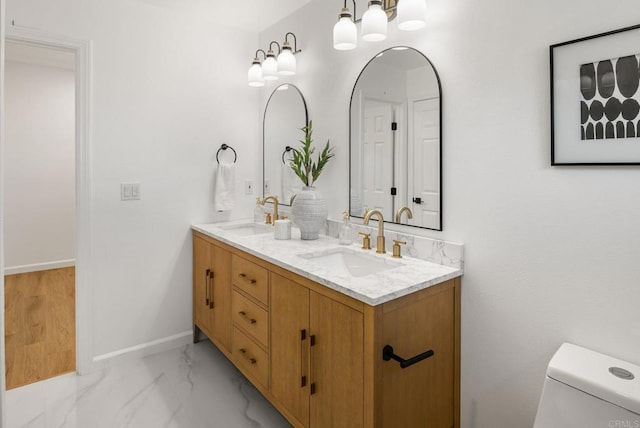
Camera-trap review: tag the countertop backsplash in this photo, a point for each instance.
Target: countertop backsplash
(433, 250)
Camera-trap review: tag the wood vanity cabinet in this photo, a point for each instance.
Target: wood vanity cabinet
(212, 291)
(317, 354)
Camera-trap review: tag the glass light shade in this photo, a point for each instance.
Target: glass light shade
(270, 68)
(412, 14)
(345, 33)
(255, 75)
(286, 62)
(374, 23)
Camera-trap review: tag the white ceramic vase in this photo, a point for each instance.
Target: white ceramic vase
(309, 212)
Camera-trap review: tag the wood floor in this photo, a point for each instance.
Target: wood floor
(40, 333)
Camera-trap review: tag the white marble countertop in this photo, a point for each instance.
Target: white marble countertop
(406, 275)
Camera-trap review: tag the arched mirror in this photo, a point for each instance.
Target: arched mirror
(396, 140)
(284, 116)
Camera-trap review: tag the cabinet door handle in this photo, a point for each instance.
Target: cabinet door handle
(206, 287)
(303, 376)
(211, 276)
(244, 316)
(246, 278)
(312, 385)
(252, 360)
(387, 354)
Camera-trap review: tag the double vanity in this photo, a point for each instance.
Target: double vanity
(331, 335)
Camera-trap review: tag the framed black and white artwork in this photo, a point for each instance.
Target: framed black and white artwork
(595, 99)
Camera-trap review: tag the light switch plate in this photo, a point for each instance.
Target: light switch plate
(129, 191)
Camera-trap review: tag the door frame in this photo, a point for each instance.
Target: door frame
(83, 181)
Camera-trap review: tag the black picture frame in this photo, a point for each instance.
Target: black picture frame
(595, 99)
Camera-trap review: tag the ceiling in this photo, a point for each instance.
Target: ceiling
(249, 15)
(31, 54)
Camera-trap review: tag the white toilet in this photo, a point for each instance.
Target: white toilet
(586, 389)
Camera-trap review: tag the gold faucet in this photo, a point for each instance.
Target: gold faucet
(403, 210)
(275, 208)
(380, 242)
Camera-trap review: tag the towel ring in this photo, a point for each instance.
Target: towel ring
(225, 147)
(286, 149)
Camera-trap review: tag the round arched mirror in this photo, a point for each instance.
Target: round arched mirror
(396, 139)
(284, 117)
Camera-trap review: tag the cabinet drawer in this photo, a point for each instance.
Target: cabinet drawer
(250, 278)
(251, 357)
(251, 318)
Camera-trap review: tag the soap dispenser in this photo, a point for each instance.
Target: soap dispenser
(345, 230)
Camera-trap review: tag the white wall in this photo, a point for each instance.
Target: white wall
(551, 252)
(167, 91)
(39, 165)
(2, 144)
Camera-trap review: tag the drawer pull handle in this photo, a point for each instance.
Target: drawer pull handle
(244, 276)
(244, 316)
(387, 354)
(250, 359)
(303, 376)
(206, 287)
(312, 385)
(211, 292)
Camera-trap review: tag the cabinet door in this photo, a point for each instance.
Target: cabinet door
(220, 295)
(201, 273)
(336, 364)
(290, 345)
(422, 325)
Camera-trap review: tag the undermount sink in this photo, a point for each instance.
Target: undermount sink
(352, 262)
(246, 229)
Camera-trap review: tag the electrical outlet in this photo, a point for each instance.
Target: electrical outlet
(248, 187)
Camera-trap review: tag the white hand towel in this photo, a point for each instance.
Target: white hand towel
(224, 197)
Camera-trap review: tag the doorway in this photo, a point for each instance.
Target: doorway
(40, 212)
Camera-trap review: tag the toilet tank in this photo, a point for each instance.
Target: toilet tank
(585, 389)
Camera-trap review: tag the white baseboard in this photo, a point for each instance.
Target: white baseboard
(39, 266)
(140, 351)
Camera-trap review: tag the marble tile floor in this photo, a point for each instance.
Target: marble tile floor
(194, 386)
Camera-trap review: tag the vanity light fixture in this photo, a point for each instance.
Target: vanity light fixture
(280, 62)
(270, 65)
(286, 59)
(374, 22)
(255, 72)
(411, 16)
(345, 33)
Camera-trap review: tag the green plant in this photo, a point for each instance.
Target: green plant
(303, 165)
